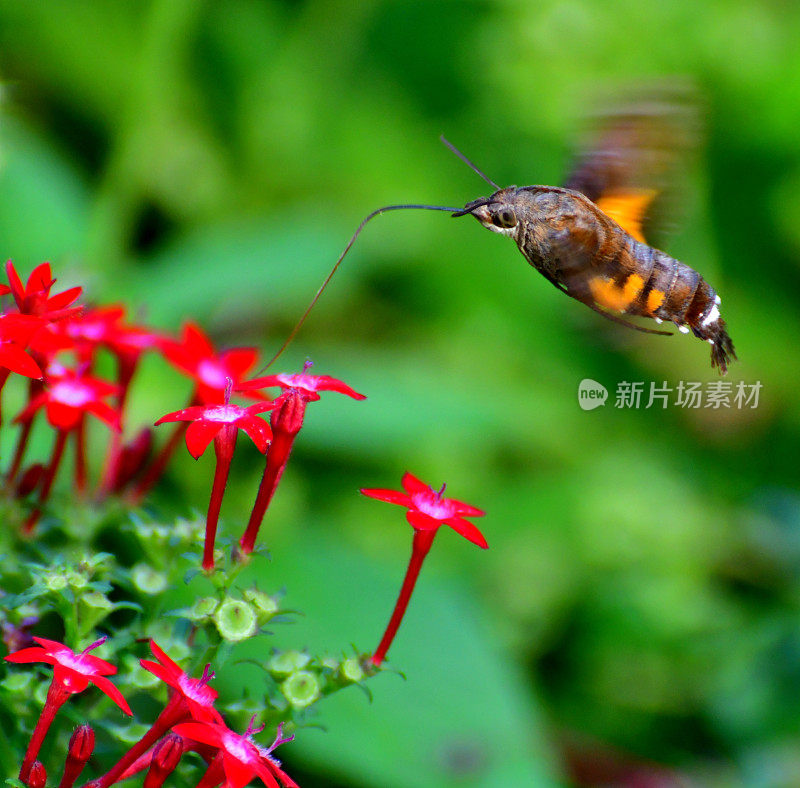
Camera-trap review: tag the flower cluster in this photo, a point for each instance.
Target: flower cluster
(189, 721)
(56, 343)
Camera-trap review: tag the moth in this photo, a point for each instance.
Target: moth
(586, 237)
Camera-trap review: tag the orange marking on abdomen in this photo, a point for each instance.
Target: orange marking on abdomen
(654, 300)
(607, 294)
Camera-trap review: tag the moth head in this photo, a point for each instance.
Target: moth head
(498, 213)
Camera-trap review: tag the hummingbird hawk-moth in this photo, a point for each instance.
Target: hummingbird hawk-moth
(586, 237)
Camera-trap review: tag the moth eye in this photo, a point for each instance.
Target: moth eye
(505, 218)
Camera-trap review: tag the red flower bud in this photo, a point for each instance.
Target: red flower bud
(81, 746)
(166, 755)
(289, 416)
(37, 777)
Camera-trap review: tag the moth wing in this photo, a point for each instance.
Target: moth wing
(634, 154)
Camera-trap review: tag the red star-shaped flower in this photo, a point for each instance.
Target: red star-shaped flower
(191, 699)
(428, 509)
(33, 298)
(307, 385)
(209, 420)
(195, 694)
(195, 356)
(241, 758)
(68, 395)
(73, 672)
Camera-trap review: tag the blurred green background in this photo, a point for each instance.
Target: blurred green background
(637, 618)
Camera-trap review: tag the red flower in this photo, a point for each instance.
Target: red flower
(73, 671)
(209, 420)
(239, 758)
(286, 421)
(427, 511)
(307, 385)
(220, 423)
(34, 297)
(195, 355)
(70, 394)
(195, 694)
(191, 699)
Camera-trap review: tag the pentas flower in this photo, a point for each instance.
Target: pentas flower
(428, 510)
(220, 423)
(33, 298)
(286, 421)
(239, 758)
(191, 699)
(195, 356)
(81, 746)
(67, 397)
(71, 673)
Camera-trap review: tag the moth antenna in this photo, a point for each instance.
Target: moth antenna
(466, 161)
(328, 278)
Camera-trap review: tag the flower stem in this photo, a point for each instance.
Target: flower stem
(419, 549)
(156, 469)
(47, 481)
(277, 457)
(34, 387)
(224, 445)
(57, 694)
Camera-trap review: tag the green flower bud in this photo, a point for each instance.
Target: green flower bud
(351, 670)
(331, 663)
(266, 606)
(77, 580)
(55, 581)
(202, 609)
(96, 600)
(147, 580)
(235, 620)
(286, 662)
(301, 689)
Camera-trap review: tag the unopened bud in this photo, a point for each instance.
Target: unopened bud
(148, 580)
(30, 480)
(301, 689)
(203, 609)
(235, 620)
(37, 776)
(266, 606)
(285, 662)
(288, 418)
(166, 755)
(351, 670)
(81, 746)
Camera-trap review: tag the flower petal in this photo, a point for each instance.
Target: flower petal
(186, 414)
(32, 654)
(104, 685)
(17, 360)
(411, 484)
(390, 496)
(258, 430)
(327, 383)
(467, 530)
(200, 434)
(465, 509)
(207, 733)
(422, 521)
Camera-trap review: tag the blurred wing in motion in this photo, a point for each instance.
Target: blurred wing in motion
(635, 153)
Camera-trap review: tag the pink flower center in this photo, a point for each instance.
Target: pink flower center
(307, 382)
(75, 662)
(196, 690)
(212, 374)
(239, 747)
(433, 505)
(225, 414)
(72, 393)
